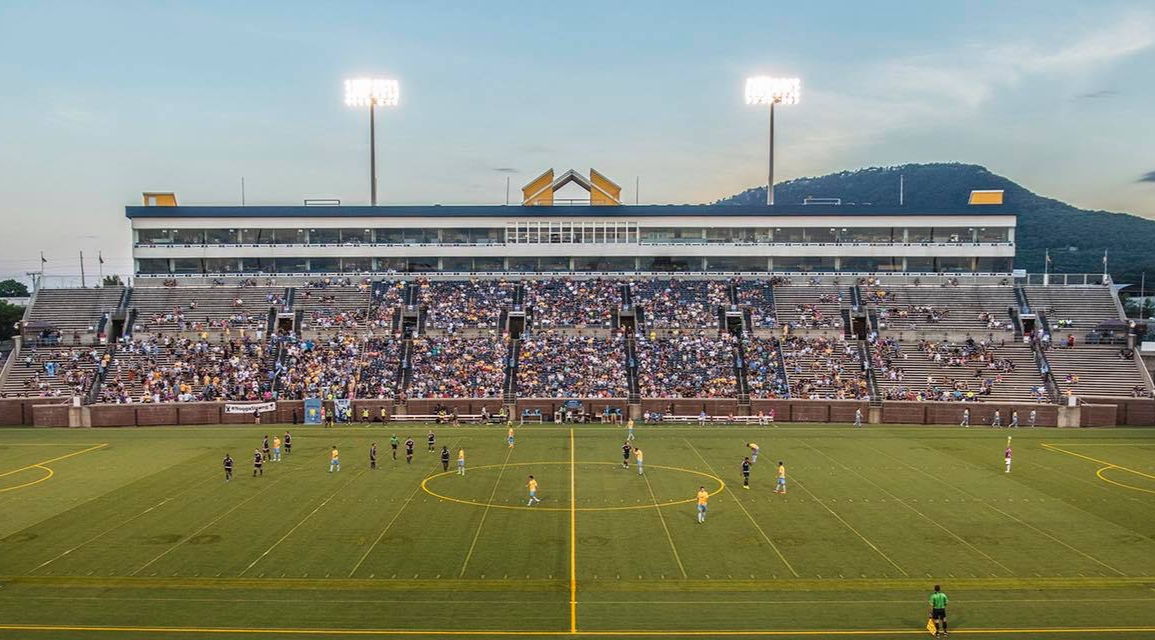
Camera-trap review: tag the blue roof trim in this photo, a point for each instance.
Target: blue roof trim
(498, 211)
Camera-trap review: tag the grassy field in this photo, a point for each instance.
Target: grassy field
(134, 534)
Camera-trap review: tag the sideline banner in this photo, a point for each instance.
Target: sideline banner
(262, 407)
(342, 411)
(312, 411)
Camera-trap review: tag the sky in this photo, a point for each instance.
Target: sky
(101, 101)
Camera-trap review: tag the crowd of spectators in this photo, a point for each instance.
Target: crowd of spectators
(764, 374)
(758, 295)
(822, 368)
(475, 303)
(338, 367)
(457, 367)
(686, 365)
(565, 302)
(165, 368)
(812, 316)
(680, 303)
(60, 372)
(572, 366)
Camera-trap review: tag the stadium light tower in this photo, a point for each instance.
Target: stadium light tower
(372, 93)
(766, 90)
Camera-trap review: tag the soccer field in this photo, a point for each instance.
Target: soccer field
(134, 534)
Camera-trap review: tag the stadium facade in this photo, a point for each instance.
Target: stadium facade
(826, 238)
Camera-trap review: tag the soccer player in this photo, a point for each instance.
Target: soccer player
(1014, 420)
(703, 498)
(638, 458)
(701, 418)
(258, 460)
(630, 430)
(937, 602)
(1031, 417)
(858, 417)
(1007, 457)
(276, 448)
(966, 419)
(753, 452)
(373, 456)
(288, 443)
(408, 450)
(334, 460)
(532, 484)
(265, 447)
(745, 473)
(509, 437)
(997, 420)
(445, 458)
(257, 417)
(384, 415)
(228, 462)
(781, 486)
(626, 449)
(393, 443)
(365, 416)
(431, 439)
(461, 462)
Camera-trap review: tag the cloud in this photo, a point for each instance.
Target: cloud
(505, 170)
(1148, 177)
(1095, 95)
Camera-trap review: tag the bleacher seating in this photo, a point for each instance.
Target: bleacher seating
(680, 303)
(936, 311)
(906, 371)
(810, 306)
(74, 311)
(203, 308)
(1092, 370)
(53, 371)
(1085, 307)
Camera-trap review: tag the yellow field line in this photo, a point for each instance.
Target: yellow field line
(603, 634)
(1104, 478)
(855, 531)
(29, 484)
(51, 460)
(1106, 464)
(920, 514)
(477, 534)
(516, 507)
(662, 519)
(748, 516)
(572, 537)
(1004, 513)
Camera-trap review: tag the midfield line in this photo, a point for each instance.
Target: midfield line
(397, 515)
(743, 508)
(573, 538)
(488, 504)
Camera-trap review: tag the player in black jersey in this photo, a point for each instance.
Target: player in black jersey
(408, 450)
(288, 443)
(373, 456)
(445, 458)
(265, 447)
(228, 462)
(432, 439)
(626, 449)
(746, 473)
(258, 459)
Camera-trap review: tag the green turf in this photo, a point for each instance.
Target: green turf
(143, 538)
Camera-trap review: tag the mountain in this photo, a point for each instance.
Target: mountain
(1076, 237)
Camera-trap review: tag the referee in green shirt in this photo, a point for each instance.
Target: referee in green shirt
(937, 601)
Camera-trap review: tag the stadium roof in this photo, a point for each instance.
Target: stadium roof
(499, 211)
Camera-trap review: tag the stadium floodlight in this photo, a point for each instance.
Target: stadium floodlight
(763, 90)
(372, 93)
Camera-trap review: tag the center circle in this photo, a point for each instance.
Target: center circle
(721, 485)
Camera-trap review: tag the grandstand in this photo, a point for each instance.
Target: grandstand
(636, 305)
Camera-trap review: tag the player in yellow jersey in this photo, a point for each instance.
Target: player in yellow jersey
(532, 484)
(753, 452)
(703, 498)
(638, 459)
(509, 437)
(781, 486)
(630, 430)
(334, 460)
(461, 462)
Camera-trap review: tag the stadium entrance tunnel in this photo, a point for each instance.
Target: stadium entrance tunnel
(600, 486)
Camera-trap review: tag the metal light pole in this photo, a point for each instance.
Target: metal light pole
(372, 93)
(766, 90)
